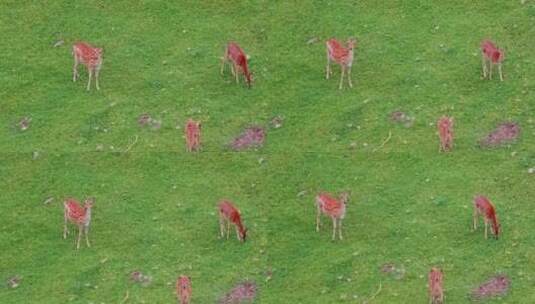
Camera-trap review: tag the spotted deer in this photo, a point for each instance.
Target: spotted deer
(193, 135)
(445, 133)
(436, 289)
(78, 215)
(332, 207)
(230, 214)
(183, 289)
(89, 56)
(238, 62)
(483, 207)
(341, 55)
(492, 55)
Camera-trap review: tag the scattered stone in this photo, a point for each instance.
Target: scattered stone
(35, 155)
(138, 277)
(144, 119)
(302, 193)
(14, 281)
(531, 170)
(251, 137)
(504, 133)
(24, 124)
(245, 291)
(99, 147)
(495, 286)
(313, 40)
(276, 122)
(48, 200)
(59, 43)
(402, 118)
(397, 272)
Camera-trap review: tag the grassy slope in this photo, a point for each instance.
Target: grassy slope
(155, 205)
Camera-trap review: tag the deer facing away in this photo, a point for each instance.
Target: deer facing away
(78, 215)
(445, 133)
(341, 55)
(89, 56)
(193, 135)
(436, 289)
(332, 207)
(183, 289)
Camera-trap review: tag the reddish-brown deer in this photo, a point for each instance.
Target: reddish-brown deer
(483, 207)
(89, 56)
(238, 62)
(183, 289)
(78, 215)
(436, 288)
(341, 55)
(492, 55)
(193, 135)
(332, 207)
(230, 214)
(445, 133)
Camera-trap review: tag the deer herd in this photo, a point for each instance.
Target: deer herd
(326, 203)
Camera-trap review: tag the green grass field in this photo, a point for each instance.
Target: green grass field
(155, 205)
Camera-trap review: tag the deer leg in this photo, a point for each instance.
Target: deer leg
(334, 229)
(340, 229)
(318, 219)
(490, 70)
(328, 68)
(86, 232)
(228, 229)
(97, 72)
(89, 81)
(232, 70)
(342, 78)
(75, 69)
(80, 229)
(236, 74)
(238, 234)
(484, 64)
(486, 225)
(500, 71)
(221, 227)
(223, 60)
(349, 76)
(475, 218)
(65, 226)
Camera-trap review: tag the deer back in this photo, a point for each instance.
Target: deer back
(87, 54)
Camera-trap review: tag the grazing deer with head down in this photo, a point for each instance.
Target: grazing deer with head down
(89, 56)
(445, 133)
(493, 55)
(334, 208)
(238, 62)
(183, 289)
(230, 214)
(483, 207)
(436, 289)
(193, 135)
(341, 55)
(78, 215)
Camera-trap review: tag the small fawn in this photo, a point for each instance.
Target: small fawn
(335, 208)
(183, 289)
(445, 133)
(493, 55)
(89, 56)
(238, 60)
(436, 291)
(483, 207)
(193, 135)
(341, 55)
(230, 214)
(78, 215)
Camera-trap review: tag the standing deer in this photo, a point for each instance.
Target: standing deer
(230, 214)
(183, 289)
(89, 56)
(193, 135)
(341, 55)
(445, 132)
(436, 291)
(483, 207)
(493, 55)
(78, 215)
(238, 62)
(335, 208)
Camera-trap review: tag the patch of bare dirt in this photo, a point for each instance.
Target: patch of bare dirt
(245, 291)
(139, 277)
(251, 137)
(13, 282)
(495, 286)
(504, 133)
(395, 271)
(401, 118)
